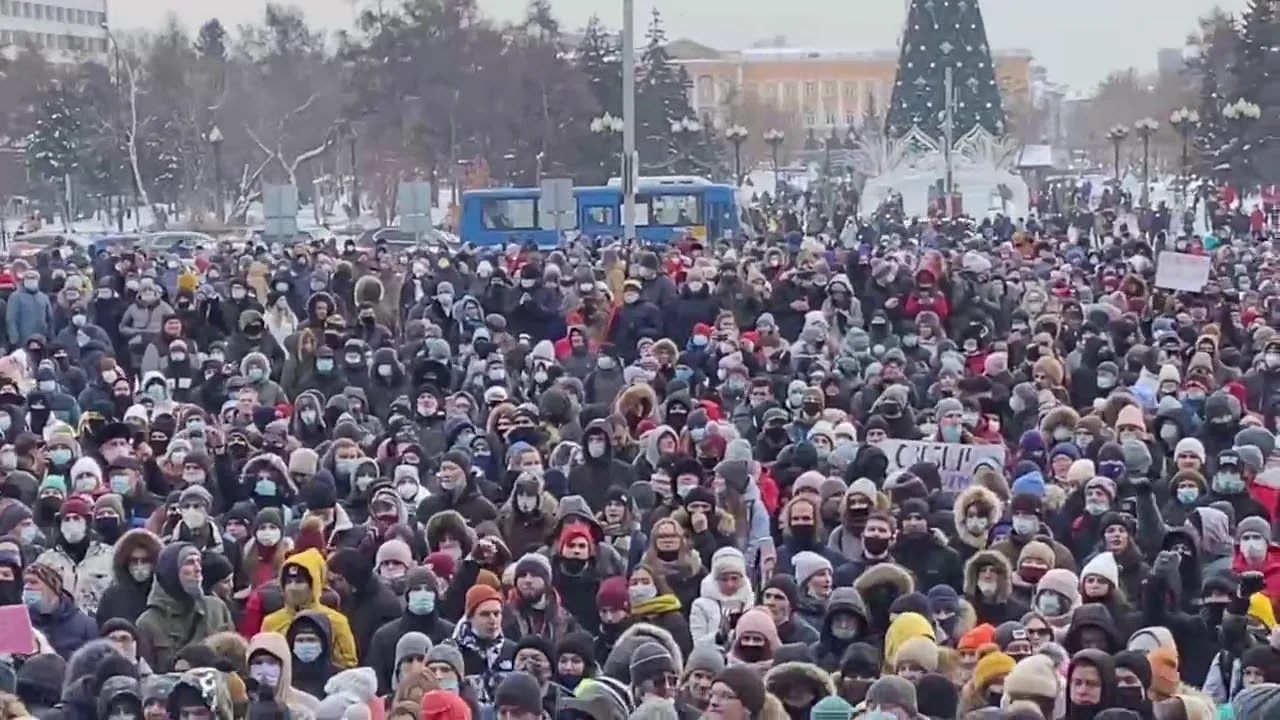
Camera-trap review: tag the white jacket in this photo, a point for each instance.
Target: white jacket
(711, 609)
(87, 580)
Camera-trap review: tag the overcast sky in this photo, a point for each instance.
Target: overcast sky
(1079, 41)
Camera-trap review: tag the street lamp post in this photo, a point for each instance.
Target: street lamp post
(608, 126)
(1145, 128)
(1117, 135)
(774, 138)
(1239, 113)
(684, 130)
(1184, 120)
(355, 127)
(215, 141)
(737, 135)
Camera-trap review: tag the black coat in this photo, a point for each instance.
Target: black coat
(374, 606)
(382, 649)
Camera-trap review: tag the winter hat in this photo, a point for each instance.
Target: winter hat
(612, 594)
(1062, 581)
(758, 620)
(112, 502)
(1104, 566)
(1131, 415)
(864, 487)
(535, 564)
(304, 462)
(729, 559)
(786, 585)
(1264, 658)
(411, 644)
(943, 598)
(1008, 632)
(1026, 504)
(1031, 483)
(1253, 523)
(1106, 484)
(1067, 449)
(478, 594)
(448, 654)
(977, 637)
(991, 667)
(395, 550)
(1081, 472)
(745, 682)
(809, 480)
(77, 505)
(518, 690)
(1257, 437)
(937, 696)
(1135, 662)
(1038, 551)
(650, 660)
(539, 644)
(911, 602)
(1032, 678)
(919, 650)
(320, 493)
(893, 690)
(704, 656)
(807, 564)
(1192, 446)
(831, 707)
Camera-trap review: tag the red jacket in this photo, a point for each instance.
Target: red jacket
(938, 304)
(1270, 569)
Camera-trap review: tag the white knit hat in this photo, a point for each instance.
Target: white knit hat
(1190, 445)
(807, 564)
(1104, 566)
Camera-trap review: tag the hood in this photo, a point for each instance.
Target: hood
(1212, 529)
(318, 618)
(313, 563)
(116, 687)
(844, 599)
(368, 289)
(272, 462)
(451, 522)
(211, 685)
(649, 443)
(781, 679)
(984, 498)
(359, 684)
(904, 627)
(896, 577)
(981, 560)
(277, 646)
(1093, 615)
(130, 541)
(711, 590)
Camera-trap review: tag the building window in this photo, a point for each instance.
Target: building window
(768, 91)
(4, 7)
(828, 88)
(831, 118)
(37, 11)
(706, 90)
(791, 91)
(849, 88)
(810, 118)
(26, 9)
(850, 118)
(810, 90)
(6, 37)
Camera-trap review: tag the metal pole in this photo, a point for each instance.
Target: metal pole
(630, 162)
(1116, 146)
(217, 182)
(1146, 166)
(737, 163)
(948, 128)
(355, 179)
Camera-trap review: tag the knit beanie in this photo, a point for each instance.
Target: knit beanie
(745, 682)
(990, 668)
(1104, 566)
(650, 660)
(893, 690)
(920, 651)
(977, 637)
(448, 654)
(831, 707)
(937, 696)
(807, 564)
(478, 594)
(612, 594)
(518, 690)
(704, 656)
(1253, 523)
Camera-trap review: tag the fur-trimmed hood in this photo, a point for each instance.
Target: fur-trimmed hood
(270, 462)
(1059, 417)
(642, 632)
(130, 541)
(797, 675)
(451, 522)
(368, 289)
(637, 401)
(981, 560)
(896, 576)
(975, 494)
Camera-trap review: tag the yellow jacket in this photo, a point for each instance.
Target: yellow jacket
(312, 562)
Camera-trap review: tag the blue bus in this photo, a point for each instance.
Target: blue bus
(667, 209)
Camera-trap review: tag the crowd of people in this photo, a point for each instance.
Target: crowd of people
(615, 482)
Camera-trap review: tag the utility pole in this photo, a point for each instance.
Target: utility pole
(949, 131)
(630, 162)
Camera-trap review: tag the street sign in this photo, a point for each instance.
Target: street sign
(280, 206)
(557, 208)
(413, 206)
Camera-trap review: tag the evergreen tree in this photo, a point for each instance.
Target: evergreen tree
(662, 97)
(944, 34)
(1255, 158)
(600, 59)
(54, 145)
(1215, 52)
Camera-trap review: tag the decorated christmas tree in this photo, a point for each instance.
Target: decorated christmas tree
(943, 34)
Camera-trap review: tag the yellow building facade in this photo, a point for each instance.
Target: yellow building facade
(815, 89)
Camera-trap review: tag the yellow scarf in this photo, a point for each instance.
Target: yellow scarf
(657, 605)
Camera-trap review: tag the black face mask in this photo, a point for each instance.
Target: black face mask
(253, 330)
(752, 653)
(875, 545)
(1134, 698)
(108, 528)
(668, 555)
(812, 408)
(1212, 614)
(804, 535)
(573, 566)
(677, 420)
(994, 699)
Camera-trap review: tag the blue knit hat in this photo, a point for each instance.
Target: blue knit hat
(831, 707)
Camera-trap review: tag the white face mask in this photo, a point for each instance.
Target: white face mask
(73, 531)
(268, 536)
(988, 587)
(407, 490)
(194, 518)
(526, 503)
(1253, 548)
(595, 448)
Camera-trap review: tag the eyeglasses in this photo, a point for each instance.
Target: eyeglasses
(1039, 632)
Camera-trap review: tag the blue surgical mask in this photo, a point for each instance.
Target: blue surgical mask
(60, 456)
(264, 488)
(1188, 495)
(324, 365)
(32, 598)
(346, 468)
(256, 374)
(307, 651)
(449, 685)
(421, 602)
(120, 484)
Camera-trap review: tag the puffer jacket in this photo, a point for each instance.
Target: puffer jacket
(313, 563)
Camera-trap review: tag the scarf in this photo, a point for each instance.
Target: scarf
(656, 606)
(465, 637)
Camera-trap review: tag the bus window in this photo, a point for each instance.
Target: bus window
(509, 213)
(601, 215)
(677, 210)
(643, 213)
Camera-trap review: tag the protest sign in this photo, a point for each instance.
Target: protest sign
(955, 462)
(1182, 271)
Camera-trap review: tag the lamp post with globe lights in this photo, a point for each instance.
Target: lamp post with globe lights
(737, 135)
(1146, 128)
(1238, 114)
(1117, 135)
(684, 131)
(608, 127)
(215, 141)
(775, 138)
(1184, 120)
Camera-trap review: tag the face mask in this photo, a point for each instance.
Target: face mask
(32, 598)
(950, 433)
(976, 525)
(267, 536)
(73, 531)
(28, 534)
(346, 468)
(1106, 382)
(1049, 604)
(60, 456)
(407, 490)
(526, 503)
(307, 652)
(988, 587)
(47, 385)
(844, 633)
(595, 448)
(265, 674)
(1254, 549)
(1095, 507)
(1025, 526)
(641, 593)
(265, 488)
(86, 484)
(194, 518)
(8, 461)
(540, 376)
(140, 573)
(1188, 495)
(1228, 483)
(324, 365)
(1169, 434)
(875, 545)
(121, 484)
(421, 602)
(364, 481)
(384, 371)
